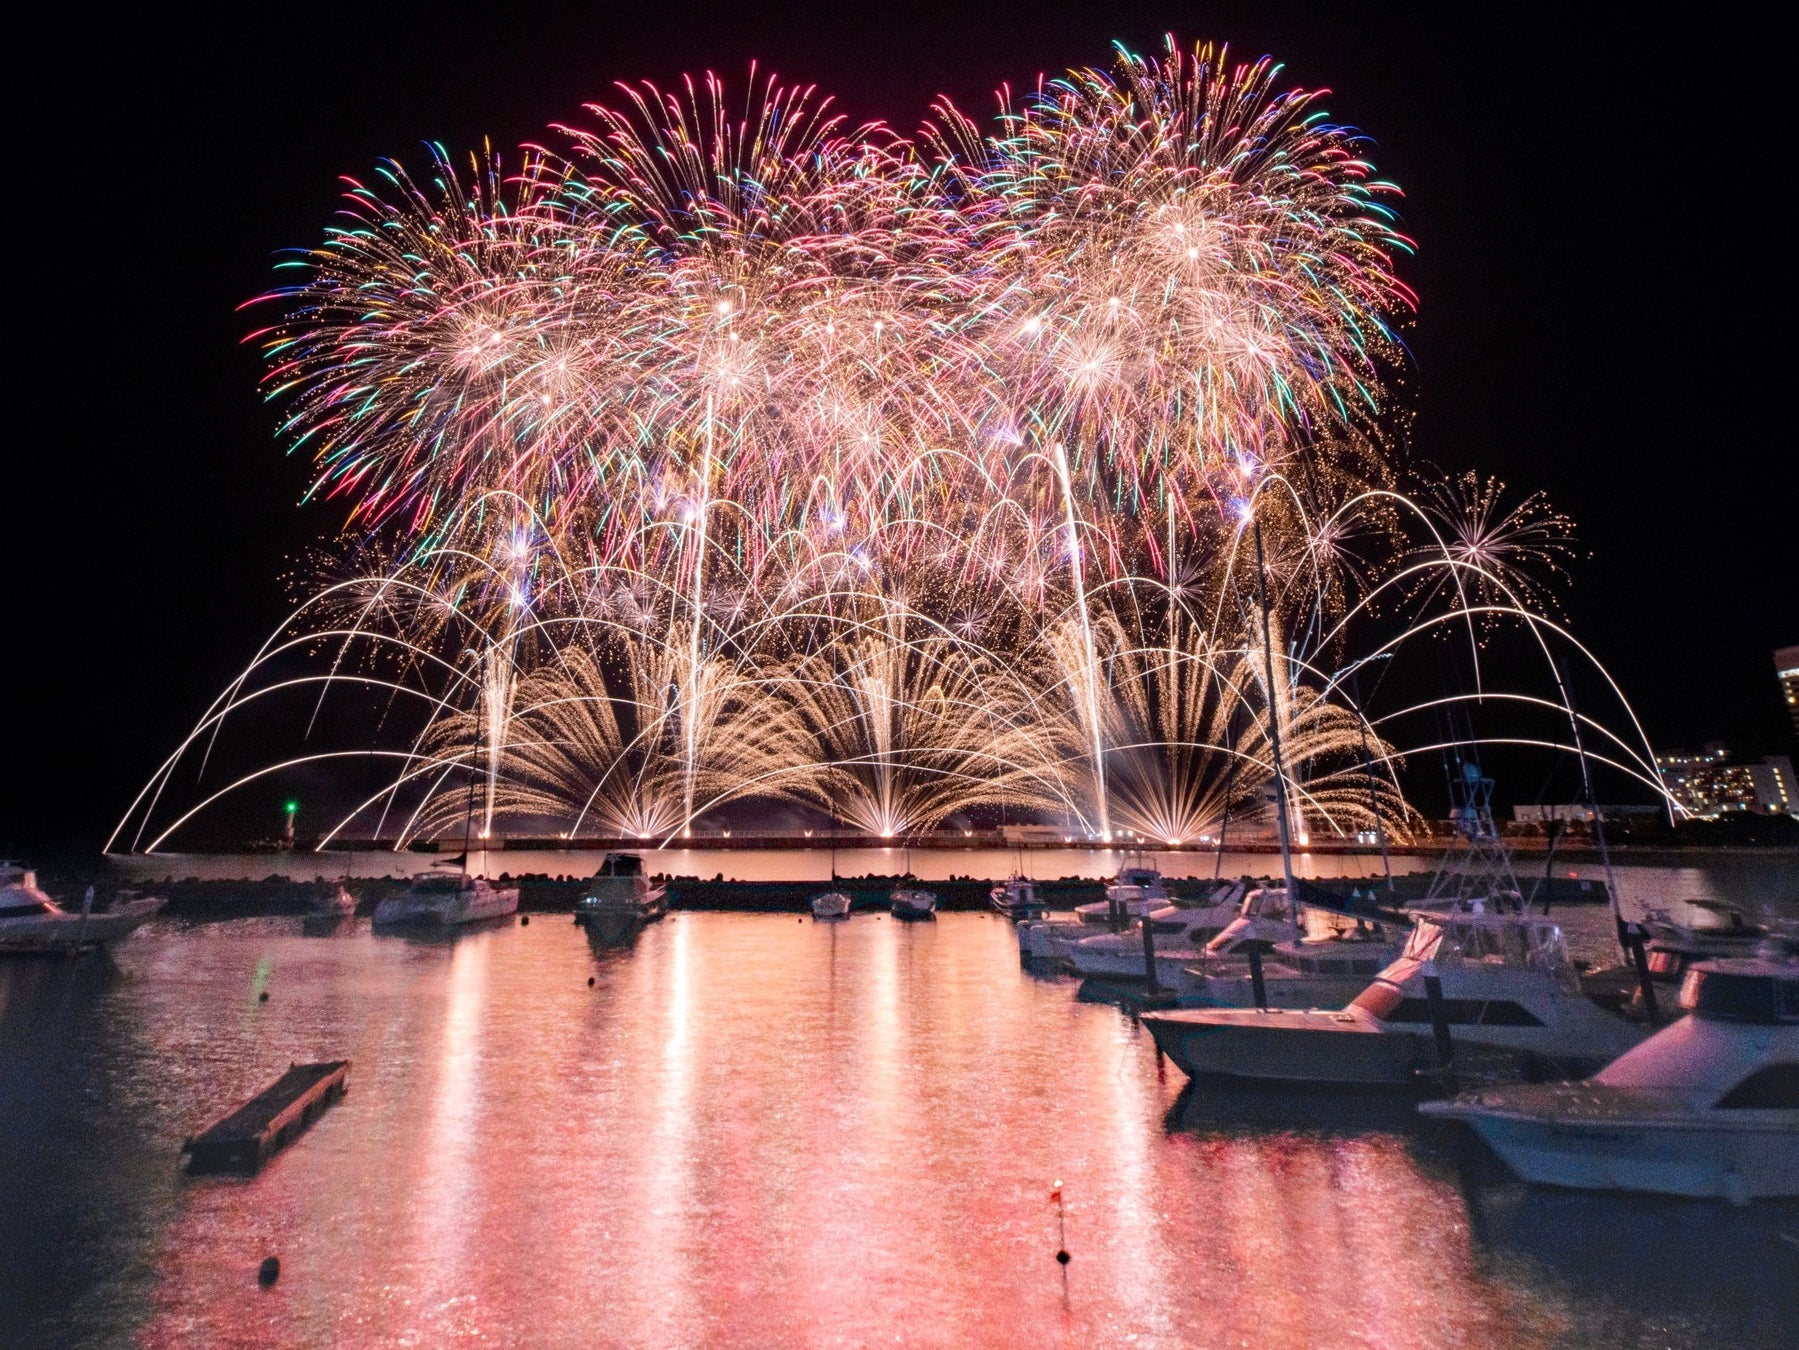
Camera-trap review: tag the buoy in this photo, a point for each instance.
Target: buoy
(263, 997)
(590, 982)
(1062, 1257)
(269, 1271)
(524, 921)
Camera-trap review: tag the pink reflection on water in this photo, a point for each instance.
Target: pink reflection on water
(753, 1131)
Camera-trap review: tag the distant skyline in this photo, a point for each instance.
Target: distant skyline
(1589, 311)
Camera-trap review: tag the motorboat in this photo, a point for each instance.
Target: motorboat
(1323, 961)
(1708, 1106)
(1017, 899)
(445, 901)
(331, 900)
(1506, 989)
(620, 891)
(30, 921)
(1701, 930)
(910, 903)
(1179, 934)
(831, 905)
(1136, 890)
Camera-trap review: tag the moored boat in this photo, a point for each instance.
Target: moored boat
(620, 890)
(1179, 934)
(1506, 992)
(911, 903)
(1017, 899)
(831, 905)
(441, 901)
(30, 921)
(1708, 1106)
(331, 900)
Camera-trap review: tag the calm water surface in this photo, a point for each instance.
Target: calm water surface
(756, 1131)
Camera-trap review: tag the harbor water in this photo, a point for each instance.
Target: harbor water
(757, 1130)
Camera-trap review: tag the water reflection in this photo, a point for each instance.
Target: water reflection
(751, 1130)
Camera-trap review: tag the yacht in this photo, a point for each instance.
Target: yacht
(444, 901)
(1324, 962)
(1510, 996)
(30, 921)
(620, 891)
(909, 903)
(1017, 899)
(1708, 1106)
(1180, 934)
(1703, 930)
(831, 905)
(1135, 891)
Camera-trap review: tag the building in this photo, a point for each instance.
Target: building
(1786, 661)
(1710, 784)
(1541, 813)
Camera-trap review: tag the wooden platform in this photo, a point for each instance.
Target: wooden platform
(247, 1138)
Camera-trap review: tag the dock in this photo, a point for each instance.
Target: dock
(247, 1138)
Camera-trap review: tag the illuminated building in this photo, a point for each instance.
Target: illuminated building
(1710, 783)
(1786, 661)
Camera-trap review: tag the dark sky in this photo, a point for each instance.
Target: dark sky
(1602, 273)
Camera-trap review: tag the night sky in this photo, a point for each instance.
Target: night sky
(1602, 273)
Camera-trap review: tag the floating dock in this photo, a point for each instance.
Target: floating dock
(247, 1138)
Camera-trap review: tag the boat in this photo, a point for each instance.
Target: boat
(446, 901)
(1179, 933)
(1325, 963)
(1707, 1107)
(1017, 899)
(831, 905)
(910, 903)
(30, 921)
(1707, 929)
(620, 891)
(1137, 890)
(1508, 993)
(331, 900)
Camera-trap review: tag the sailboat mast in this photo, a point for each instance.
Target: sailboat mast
(1274, 732)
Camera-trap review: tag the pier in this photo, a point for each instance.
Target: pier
(247, 1138)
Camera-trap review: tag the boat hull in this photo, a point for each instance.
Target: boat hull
(1741, 1161)
(64, 932)
(1289, 1047)
(445, 911)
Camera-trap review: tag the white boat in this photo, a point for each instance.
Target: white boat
(30, 921)
(1180, 934)
(621, 891)
(1136, 890)
(1017, 899)
(1324, 962)
(331, 900)
(1706, 1107)
(1702, 930)
(831, 905)
(910, 903)
(442, 901)
(1510, 997)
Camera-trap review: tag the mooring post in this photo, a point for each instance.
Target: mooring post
(1645, 986)
(1255, 978)
(1149, 955)
(1439, 1025)
(87, 908)
(1115, 913)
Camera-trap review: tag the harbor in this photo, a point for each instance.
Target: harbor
(883, 1146)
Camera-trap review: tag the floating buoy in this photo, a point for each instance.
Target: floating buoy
(269, 1271)
(590, 982)
(524, 921)
(263, 997)
(1062, 1257)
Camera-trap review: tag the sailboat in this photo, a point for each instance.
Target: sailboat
(448, 900)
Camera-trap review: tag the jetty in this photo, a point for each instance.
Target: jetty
(247, 1138)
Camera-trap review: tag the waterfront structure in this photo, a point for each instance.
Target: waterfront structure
(1541, 813)
(1786, 662)
(1711, 783)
